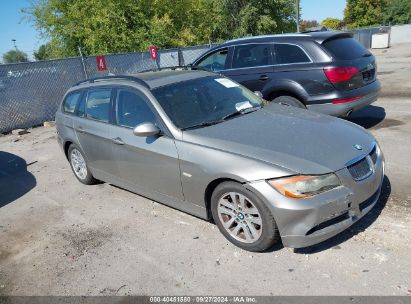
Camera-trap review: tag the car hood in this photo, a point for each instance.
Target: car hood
(299, 140)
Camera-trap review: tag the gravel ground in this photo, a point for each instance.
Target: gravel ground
(59, 237)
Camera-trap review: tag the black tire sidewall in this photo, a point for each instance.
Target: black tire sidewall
(269, 234)
(89, 180)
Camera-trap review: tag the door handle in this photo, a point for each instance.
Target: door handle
(117, 141)
(263, 77)
(80, 129)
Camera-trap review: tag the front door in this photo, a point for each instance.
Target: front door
(145, 164)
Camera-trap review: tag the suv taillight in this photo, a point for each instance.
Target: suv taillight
(340, 74)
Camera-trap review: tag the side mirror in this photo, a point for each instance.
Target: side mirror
(146, 129)
(259, 94)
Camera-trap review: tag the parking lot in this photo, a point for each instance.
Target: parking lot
(60, 237)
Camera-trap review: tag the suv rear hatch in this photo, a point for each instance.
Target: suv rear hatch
(353, 65)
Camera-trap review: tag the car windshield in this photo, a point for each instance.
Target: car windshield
(205, 101)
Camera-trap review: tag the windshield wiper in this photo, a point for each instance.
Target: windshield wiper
(241, 112)
(214, 122)
(203, 124)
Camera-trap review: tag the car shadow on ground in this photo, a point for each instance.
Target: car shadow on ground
(368, 117)
(355, 229)
(15, 180)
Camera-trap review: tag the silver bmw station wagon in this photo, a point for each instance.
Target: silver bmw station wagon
(201, 143)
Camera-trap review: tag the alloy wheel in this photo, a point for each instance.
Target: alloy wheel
(240, 217)
(78, 163)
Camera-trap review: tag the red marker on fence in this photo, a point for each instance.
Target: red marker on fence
(101, 63)
(153, 52)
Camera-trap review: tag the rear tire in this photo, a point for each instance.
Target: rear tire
(79, 166)
(243, 218)
(289, 101)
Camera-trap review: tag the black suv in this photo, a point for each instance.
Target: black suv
(328, 72)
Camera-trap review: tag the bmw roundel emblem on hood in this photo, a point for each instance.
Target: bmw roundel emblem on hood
(358, 147)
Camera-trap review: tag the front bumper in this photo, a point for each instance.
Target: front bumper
(306, 222)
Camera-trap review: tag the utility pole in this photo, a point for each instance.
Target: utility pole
(14, 43)
(82, 62)
(298, 15)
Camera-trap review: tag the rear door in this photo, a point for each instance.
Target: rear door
(145, 164)
(92, 127)
(252, 65)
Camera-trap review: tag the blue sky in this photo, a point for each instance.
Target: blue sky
(321, 9)
(13, 26)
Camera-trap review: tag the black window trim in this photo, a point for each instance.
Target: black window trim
(274, 63)
(160, 123)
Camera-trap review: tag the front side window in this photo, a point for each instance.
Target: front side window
(215, 61)
(70, 103)
(132, 109)
(289, 53)
(252, 55)
(205, 100)
(98, 105)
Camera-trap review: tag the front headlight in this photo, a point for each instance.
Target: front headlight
(304, 186)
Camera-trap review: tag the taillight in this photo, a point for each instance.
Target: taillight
(340, 74)
(337, 101)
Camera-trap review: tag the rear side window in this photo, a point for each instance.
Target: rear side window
(252, 55)
(98, 105)
(132, 109)
(215, 61)
(290, 53)
(70, 103)
(345, 48)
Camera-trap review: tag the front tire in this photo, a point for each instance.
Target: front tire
(79, 166)
(243, 218)
(289, 101)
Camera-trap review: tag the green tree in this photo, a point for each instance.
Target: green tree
(333, 23)
(14, 56)
(362, 13)
(398, 12)
(112, 26)
(43, 53)
(255, 17)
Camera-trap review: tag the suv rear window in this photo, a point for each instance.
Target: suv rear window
(289, 53)
(345, 48)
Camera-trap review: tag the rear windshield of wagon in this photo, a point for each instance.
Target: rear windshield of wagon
(345, 48)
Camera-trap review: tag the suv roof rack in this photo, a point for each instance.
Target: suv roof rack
(110, 77)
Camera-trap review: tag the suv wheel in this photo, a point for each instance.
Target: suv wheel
(289, 101)
(79, 166)
(243, 218)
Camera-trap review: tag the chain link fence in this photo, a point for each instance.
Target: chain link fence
(364, 36)
(31, 92)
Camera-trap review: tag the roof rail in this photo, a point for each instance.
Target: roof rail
(110, 77)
